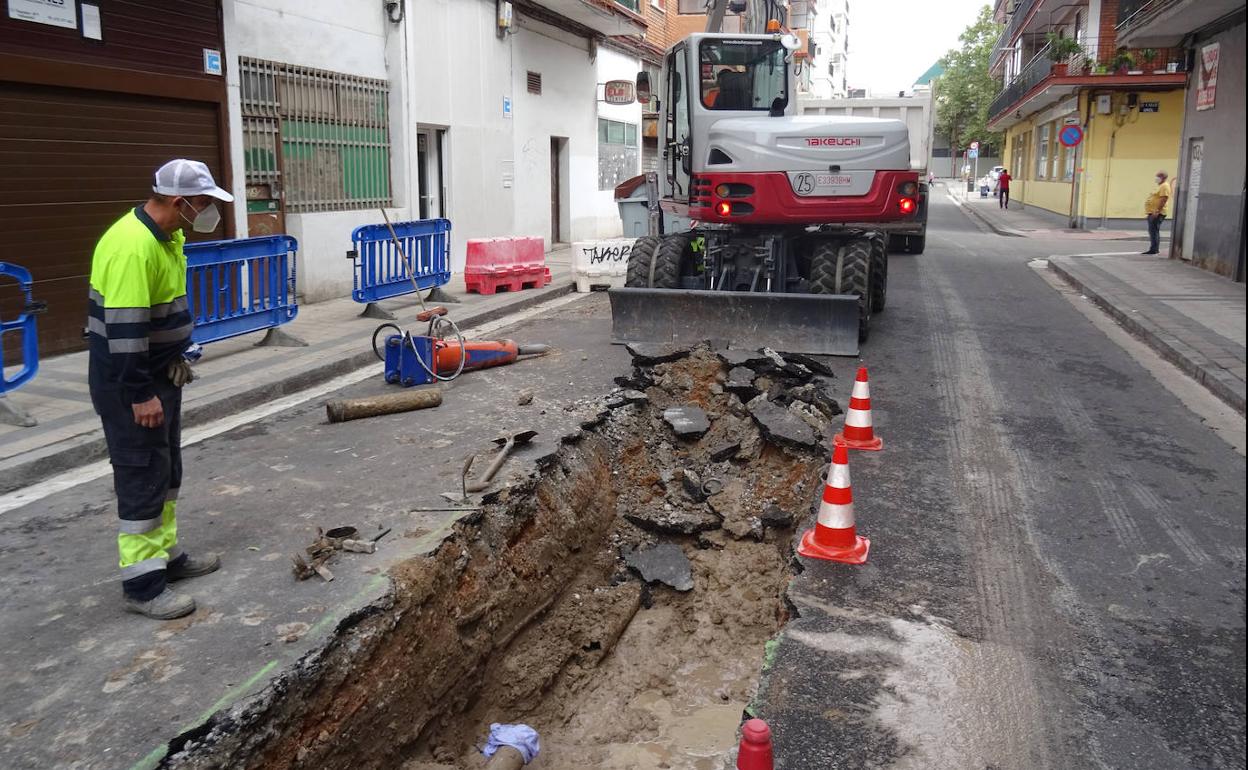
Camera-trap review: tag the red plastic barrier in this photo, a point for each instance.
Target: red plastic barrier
(507, 264)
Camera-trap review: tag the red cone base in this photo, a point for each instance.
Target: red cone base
(874, 445)
(854, 554)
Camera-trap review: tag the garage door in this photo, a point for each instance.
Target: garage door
(73, 161)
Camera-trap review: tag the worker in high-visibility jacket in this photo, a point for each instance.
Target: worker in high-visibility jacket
(139, 325)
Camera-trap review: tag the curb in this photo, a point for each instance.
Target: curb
(89, 447)
(1193, 363)
(969, 211)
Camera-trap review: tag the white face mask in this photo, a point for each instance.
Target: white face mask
(205, 221)
(1160, 179)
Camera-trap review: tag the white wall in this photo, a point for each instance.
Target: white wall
(354, 38)
(566, 109)
(614, 65)
(460, 71)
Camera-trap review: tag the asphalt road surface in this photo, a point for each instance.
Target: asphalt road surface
(1056, 576)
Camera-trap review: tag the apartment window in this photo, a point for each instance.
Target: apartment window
(632, 5)
(618, 152)
(1042, 152)
(697, 7)
(798, 15)
(321, 137)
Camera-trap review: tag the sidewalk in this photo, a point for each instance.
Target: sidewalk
(234, 374)
(1021, 221)
(1193, 318)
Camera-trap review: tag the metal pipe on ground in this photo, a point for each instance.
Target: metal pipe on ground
(344, 409)
(506, 758)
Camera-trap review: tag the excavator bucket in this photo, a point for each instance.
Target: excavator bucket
(817, 324)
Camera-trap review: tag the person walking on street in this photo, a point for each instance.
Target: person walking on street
(138, 327)
(1003, 184)
(1155, 210)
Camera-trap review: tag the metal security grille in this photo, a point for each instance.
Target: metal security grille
(320, 137)
(534, 82)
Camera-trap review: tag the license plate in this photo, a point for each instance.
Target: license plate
(833, 180)
(809, 183)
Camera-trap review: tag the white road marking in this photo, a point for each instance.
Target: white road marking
(70, 479)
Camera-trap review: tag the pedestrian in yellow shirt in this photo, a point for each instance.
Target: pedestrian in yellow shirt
(1155, 210)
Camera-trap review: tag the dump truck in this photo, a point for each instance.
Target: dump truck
(789, 215)
(916, 111)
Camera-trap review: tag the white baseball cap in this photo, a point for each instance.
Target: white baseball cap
(185, 178)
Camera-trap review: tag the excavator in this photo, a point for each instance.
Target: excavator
(767, 228)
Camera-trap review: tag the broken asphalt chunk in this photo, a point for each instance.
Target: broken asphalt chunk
(750, 359)
(649, 354)
(664, 563)
(687, 421)
(810, 362)
(780, 426)
(676, 521)
(725, 451)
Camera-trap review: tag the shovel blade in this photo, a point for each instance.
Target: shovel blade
(816, 324)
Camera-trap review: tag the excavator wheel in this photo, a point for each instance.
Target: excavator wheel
(879, 272)
(844, 268)
(669, 258)
(638, 275)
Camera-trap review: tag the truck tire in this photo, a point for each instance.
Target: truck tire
(844, 268)
(879, 272)
(638, 275)
(669, 257)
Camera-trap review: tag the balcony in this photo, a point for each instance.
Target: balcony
(1019, 19)
(606, 17)
(1166, 22)
(1043, 82)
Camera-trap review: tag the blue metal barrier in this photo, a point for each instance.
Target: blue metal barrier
(379, 268)
(241, 286)
(25, 324)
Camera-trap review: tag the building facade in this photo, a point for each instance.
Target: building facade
(316, 114)
(1209, 183)
(831, 54)
(1087, 121)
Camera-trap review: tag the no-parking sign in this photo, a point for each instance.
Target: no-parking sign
(1070, 136)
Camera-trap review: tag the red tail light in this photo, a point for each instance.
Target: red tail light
(906, 205)
(724, 208)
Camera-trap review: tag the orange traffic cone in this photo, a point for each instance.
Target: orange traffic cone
(858, 432)
(833, 537)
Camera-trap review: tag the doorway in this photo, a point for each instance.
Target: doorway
(430, 177)
(558, 189)
(1195, 161)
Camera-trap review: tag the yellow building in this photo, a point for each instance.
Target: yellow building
(1127, 105)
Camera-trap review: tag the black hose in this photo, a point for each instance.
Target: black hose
(377, 331)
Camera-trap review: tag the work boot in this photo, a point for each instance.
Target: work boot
(164, 606)
(187, 566)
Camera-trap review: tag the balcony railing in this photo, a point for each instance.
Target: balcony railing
(1022, 9)
(1133, 13)
(1089, 60)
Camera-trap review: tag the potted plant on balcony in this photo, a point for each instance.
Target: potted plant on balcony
(1124, 62)
(1060, 51)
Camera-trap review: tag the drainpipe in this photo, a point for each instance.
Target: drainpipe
(1109, 161)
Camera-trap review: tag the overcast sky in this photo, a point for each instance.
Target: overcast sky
(892, 42)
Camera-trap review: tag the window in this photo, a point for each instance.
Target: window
(743, 74)
(799, 17)
(321, 137)
(697, 7)
(656, 84)
(1042, 152)
(632, 5)
(618, 152)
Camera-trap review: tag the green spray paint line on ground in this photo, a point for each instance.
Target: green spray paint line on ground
(153, 758)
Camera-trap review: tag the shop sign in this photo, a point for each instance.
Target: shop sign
(618, 92)
(1207, 76)
(57, 13)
